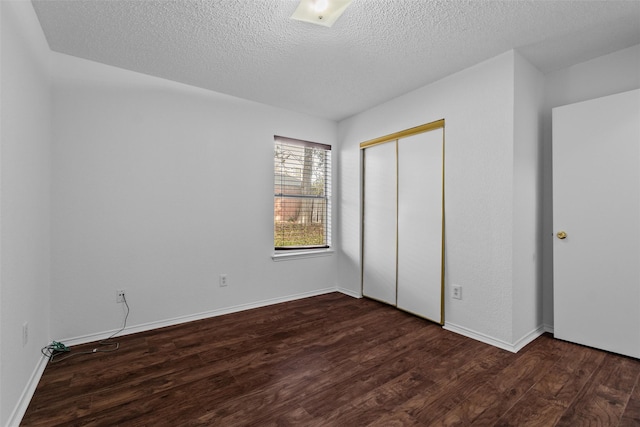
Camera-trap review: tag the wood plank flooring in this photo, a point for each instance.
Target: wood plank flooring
(333, 360)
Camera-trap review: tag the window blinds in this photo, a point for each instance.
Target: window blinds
(302, 194)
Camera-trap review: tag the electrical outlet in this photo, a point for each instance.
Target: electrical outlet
(25, 333)
(456, 292)
(223, 280)
(120, 296)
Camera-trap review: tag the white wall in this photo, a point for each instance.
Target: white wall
(527, 221)
(157, 189)
(478, 107)
(606, 75)
(24, 212)
(499, 248)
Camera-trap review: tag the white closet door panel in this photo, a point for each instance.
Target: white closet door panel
(379, 229)
(420, 224)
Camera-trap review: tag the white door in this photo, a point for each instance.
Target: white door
(596, 203)
(379, 223)
(420, 224)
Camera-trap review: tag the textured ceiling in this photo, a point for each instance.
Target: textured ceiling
(377, 50)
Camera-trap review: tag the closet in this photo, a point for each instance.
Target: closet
(403, 220)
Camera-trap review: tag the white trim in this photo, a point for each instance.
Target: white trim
(190, 318)
(308, 253)
(349, 292)
(478, 336)
(548, 328)
(528, 338)
(25, 398)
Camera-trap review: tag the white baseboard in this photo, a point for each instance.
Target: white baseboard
(349, 292)
(71, 341)
(478, 336)
(23, 403)
(528, 338)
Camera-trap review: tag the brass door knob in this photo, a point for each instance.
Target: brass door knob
(561, 235)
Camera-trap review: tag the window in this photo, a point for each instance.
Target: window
(302, 194)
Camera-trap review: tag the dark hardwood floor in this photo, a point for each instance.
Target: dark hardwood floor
(333, 360)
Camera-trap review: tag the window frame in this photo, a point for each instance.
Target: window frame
(304, 251)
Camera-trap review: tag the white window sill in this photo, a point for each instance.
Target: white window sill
(309, 253)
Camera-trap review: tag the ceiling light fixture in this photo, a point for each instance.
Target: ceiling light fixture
(321, 6)
(321, 12)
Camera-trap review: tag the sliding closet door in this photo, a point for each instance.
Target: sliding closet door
(403, 220)
(379, 223)
(420, 224)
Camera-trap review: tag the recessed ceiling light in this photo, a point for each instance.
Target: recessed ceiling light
(321, 12)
